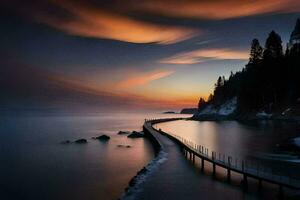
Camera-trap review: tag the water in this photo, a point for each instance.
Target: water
(255, 142)
(34, 165)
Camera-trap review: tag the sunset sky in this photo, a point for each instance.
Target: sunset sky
(136, 53)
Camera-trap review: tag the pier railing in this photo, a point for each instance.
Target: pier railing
(246, 167)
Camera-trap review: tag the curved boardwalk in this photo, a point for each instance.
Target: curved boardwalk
(177, 178)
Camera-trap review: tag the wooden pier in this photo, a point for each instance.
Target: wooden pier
(191, 151)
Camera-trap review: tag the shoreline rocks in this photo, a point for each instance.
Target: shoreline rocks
(291, 146)
(136, 134)
(134, 180)
(65, 142)
(244, 117)
(103, 138)
(122, 145)
(123, 132)
(81, 141)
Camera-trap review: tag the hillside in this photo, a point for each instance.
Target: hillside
(268, 86)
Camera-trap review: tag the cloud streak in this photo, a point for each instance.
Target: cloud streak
(114, 20)
(220, 9)
(198, 56)
(83, 18)
(141, 79)
(30, 88)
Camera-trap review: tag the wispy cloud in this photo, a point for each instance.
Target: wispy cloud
(114, 20)
(23, 86)
(83, 18)
(141, 79)
(198, 56)
(221, 9)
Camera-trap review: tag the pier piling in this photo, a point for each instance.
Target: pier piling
(259, 184)
(202, 164)
(214, 164)
(228, 171)
(193, 158)
(245, 182)
(281, 195)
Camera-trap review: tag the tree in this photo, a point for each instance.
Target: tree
(231, 75)
(269, 80)
(256, 52)
(273, 46)
(201, 103)
(220, 82)
(210, 98)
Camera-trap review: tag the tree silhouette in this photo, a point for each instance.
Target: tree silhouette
(273, 46)
(256, 52)
(201, 103)
(269, 82)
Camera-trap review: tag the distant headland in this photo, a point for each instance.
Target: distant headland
(189, 111)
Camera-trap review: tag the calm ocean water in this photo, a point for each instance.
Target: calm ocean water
(34, 165)
(255, 142)
(179, 178)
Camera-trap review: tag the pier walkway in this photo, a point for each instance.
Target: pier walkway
(177, 178)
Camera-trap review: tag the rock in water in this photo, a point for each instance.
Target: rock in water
(121, 145)
(66, 142)
(123, 132)
(103, 138)
(81, 141)
(136, 134)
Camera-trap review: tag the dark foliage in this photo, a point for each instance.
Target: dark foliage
(270, 81)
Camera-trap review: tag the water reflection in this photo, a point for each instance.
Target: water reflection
(34, 165)
(248, 141)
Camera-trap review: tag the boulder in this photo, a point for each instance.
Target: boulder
(121, 145)
(291, 145)
(103, 138)
(123, 132)
(66, 142)
(142, 171)
(136, 134)
(132, 182)
(81, 141)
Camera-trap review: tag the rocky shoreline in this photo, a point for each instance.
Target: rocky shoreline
(141, 175)
(244, 117)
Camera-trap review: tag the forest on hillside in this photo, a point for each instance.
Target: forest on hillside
(269, 82)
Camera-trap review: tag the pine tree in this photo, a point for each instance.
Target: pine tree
(220, 82)
(210, 98)
(270, 81)
(201, 103)
(273, 46)
(256, 52)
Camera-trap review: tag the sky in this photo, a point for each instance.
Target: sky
(126, 54)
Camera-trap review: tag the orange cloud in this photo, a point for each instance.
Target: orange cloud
(198, 56)
(45, 89)
(218, 9)
(92, 21)
(143, 78)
